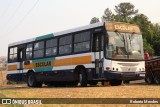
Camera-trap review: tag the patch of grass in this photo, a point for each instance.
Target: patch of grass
(11, 82)
(15, 105)
(2, 95)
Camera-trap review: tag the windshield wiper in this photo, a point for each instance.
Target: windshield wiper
(122, 38)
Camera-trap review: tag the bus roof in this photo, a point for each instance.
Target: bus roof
(110, 26)
(58, 33)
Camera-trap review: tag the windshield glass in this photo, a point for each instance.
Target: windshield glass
(124, 46)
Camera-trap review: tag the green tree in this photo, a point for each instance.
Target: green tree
(148, 47)
(94, 20)
(125, 11)
(156, 39)
(145, 26)
(156, 29)
(108, 15)
(147, 32)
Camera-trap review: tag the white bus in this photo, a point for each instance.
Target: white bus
(104, 51)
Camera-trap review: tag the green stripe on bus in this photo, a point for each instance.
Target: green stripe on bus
(44, 36)
(43, 69)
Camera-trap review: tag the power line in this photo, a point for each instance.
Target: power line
(13, 15)
(17, 25)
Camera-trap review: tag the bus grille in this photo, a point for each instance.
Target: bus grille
(128, 69)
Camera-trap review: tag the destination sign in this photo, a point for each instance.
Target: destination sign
(122, 27)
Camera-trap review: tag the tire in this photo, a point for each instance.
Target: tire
(83, 78)
(32, 82)
(149, 79)
(115, 82)
(126, 82)
(157, 77)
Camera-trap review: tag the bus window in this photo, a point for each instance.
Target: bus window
(82, 42)
(51, 47)
(29, 51)
(65, 45)
(39, 49)
(13, 54)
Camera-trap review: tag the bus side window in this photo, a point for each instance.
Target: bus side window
(38, 49)
(13, 54)
(29, 51)
(97, 44)
(65, 45)
(51, 47)
(82, 42)
(102, 42)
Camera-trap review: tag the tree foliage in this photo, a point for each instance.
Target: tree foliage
(145, 25)
(125, 10)
(94, 20)
(108, 15)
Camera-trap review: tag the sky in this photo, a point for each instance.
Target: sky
(25, 19)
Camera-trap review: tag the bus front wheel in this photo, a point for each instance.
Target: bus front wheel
(82, 78)
(31, 80)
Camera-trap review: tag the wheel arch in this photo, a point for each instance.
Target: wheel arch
(29, 71)
(79, 67)
(77, 70)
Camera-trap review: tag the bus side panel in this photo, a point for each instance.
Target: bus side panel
(61, 75)
(12, 72)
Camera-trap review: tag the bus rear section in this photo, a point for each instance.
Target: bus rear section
(100, 52)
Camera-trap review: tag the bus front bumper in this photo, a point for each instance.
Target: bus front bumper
(110, 75)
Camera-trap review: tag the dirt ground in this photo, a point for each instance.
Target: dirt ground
(138, 89)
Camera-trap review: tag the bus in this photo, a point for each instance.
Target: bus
(100, 52)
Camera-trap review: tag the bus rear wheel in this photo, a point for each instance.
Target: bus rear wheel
(115, 82)
(83, 78)
(32, 82)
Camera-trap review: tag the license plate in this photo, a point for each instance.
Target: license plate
(142, 75)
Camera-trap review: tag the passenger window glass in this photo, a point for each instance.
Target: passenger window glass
(82, 42)
(65, 45)
(51, 47)
(38, 49)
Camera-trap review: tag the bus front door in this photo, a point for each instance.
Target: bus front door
(20, 63)
(98, 54)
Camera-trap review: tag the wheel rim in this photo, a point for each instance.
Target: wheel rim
(30, 80)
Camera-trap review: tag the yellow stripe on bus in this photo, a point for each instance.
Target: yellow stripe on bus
(30, 66)
(73, 61)
(59, 62)
(12, 67)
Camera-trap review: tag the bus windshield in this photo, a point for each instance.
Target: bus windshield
(124, 46)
